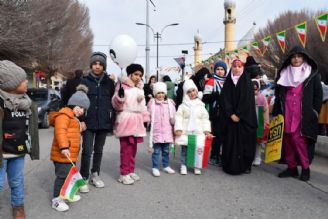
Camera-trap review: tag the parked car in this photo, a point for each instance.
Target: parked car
(47, 100)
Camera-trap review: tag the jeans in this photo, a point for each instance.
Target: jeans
(93, 141)
(183, 155)
(158, 148)
(61, 172)
(14, 167)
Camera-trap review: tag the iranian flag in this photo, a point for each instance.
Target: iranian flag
(266, 41)
(301, 32)
(255, 45)
(227, 56)
(281, 39)
(198, 151)
(260, 121)
(236, 53)
(245, 49)
(321, 22)
(72, 183)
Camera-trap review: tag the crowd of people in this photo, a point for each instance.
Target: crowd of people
(219, 105)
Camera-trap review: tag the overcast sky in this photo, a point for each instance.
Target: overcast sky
(110, 18)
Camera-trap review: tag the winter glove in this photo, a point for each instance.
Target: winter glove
(121, 92)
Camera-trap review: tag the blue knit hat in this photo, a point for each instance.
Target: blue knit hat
(220, 64)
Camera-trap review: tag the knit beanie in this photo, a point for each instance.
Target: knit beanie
(80, 98)
(133, 68)
(220, 64)
(99, 57)
(11, 75)
(159, 87)
(189, 84)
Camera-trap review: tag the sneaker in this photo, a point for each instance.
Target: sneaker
(169, 170)
(76, 198)
(289, 173)
(183, 170)
(197, 171)
(257, 162)
(59, 204)
(156, 172)
(126, 180)
(212, 161)
(134, 176)
(84, 189)
(96, 180)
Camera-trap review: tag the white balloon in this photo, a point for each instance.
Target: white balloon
(123, 50)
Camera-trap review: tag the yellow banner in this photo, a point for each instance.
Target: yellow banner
(274, 144)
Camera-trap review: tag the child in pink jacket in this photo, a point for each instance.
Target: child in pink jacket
(162, 111)
(129, 101)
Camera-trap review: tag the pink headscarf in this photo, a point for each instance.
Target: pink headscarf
(235, 63)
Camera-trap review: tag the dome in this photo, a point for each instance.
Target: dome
(229, 4)
(198, 37)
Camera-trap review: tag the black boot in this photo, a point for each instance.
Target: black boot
(305, 174)
(289, 173)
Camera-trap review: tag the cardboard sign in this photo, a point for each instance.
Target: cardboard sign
(274, 144)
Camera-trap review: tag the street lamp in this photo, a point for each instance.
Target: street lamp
(157, 36)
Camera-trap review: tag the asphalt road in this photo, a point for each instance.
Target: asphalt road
(213, 194)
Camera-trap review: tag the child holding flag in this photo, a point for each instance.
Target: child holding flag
(66, 143)
(263, 123)
(162, 111)
(191, 119)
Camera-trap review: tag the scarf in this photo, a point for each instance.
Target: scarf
(15, 102)
(294, 76)
(235, 79)
(218, 83)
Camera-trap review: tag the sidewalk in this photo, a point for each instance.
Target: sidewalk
(322, 146)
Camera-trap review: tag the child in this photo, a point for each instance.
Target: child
(298, 97)
(66, 142)
(260, 100)
(18, 132)
(129, 101)
(191, 118)
(211, 97)
(162, 112)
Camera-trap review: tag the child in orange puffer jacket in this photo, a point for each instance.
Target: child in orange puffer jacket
(66, 142)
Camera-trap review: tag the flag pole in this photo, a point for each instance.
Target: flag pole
(70, 160)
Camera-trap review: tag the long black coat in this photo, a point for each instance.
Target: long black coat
(311, 97)
(100, 112)
(239, 138)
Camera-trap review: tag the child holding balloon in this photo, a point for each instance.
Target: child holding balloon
(129, 101)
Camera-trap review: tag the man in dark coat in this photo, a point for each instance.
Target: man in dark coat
(238, 116)
(98, 119)
(298, 97)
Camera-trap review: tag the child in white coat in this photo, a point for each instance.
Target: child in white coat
(191, 118)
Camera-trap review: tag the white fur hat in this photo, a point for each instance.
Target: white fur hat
(189, 84)
(159, 87)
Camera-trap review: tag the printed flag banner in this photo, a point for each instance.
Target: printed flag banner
(301, 32)
(180, 61)
(266, 42)
(245, 49)
(260, 121)
(321, 22)
(198, 151)
(274, 144)
(72, 183)
(255, 45)
(281, 40)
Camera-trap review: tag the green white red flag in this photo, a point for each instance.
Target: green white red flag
(72, 184)
(266, 41)
(301, 32)
(198, 151)
(244, 49)
(281, 36)
(260, 121)
(255, 45)
(321, 22)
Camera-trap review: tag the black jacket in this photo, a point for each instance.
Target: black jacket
(100, 94)
(69, 89)
(311, 96)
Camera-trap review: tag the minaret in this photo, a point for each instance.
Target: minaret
(229, 22)
(198, 49)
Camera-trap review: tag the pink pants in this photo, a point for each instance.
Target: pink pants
(295, 148)
(128, 154)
